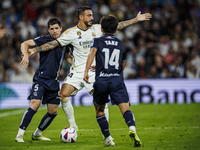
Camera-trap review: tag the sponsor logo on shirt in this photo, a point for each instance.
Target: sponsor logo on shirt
(108, 74)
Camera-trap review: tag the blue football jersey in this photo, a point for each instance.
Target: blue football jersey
(109, 57)
(50, 61)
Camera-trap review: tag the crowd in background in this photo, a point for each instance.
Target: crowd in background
(167, 46)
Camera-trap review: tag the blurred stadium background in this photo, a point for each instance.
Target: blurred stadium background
(163, 54)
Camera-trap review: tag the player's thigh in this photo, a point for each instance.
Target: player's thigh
(51, 97)
(118, 93)
(89, 86)
(35, 103)
(66, 90)
(37, 91)
(100, 95)
(52, 108)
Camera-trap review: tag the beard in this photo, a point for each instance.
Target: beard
(87, 24)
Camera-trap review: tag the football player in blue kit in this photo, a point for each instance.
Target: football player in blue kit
(110, 62)
(45, 86)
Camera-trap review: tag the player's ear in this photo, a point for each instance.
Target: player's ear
(115, 31)
(102, 29)
(80, 17)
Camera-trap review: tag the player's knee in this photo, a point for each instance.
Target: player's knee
(64, 99)
(52, 108)
(53, 111)
(99, 113)
(64, 93)
(100, 110)
(35, 104)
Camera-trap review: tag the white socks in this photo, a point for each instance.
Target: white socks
(132, 128)
(69, 112)
(106, 112)
(20, 133)
(37, 132)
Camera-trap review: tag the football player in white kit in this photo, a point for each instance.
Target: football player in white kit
(80, 38)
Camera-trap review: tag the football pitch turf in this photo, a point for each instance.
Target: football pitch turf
(160, 127)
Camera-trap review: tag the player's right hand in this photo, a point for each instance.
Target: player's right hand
(25, 61)
(86, 77)
(93, 68)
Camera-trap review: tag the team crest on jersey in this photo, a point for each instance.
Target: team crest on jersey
(93, 34)
(79, 34)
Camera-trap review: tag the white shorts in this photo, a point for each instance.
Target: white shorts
(76, 79)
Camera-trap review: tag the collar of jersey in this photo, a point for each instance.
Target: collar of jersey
(82, 29)
(50, 36)
(108, 35)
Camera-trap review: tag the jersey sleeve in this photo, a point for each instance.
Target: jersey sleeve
(94, 43)
(65, 38)
(98, 31)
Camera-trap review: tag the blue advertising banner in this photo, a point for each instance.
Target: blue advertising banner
(14, 95)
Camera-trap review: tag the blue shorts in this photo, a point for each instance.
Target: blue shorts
(40, 91)
(117, 92)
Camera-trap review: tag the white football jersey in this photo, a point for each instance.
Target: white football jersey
(80, 40)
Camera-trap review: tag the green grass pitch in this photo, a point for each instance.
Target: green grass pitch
(160, 127)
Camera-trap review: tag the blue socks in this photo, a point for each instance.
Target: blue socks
(46, 121)
(27, 117)
(129, 118)
(103, 124)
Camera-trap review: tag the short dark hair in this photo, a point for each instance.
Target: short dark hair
(81, 10)
(53, 21)
(109, 24)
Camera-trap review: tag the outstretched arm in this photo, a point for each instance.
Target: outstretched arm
(45, 47)
(89, 62)
(25, 56)
(139, 17)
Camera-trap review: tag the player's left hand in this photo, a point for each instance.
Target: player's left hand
(25, 61)
(86, 77)
(142, 17)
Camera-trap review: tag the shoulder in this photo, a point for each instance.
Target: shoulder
(71, 30)
(96, 26)
(43, 39)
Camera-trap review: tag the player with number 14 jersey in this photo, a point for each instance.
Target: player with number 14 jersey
(109, 57)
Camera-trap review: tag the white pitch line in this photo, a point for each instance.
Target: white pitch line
(145, 128)
(16, 112)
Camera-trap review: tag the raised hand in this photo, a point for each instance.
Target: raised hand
(142, 17)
